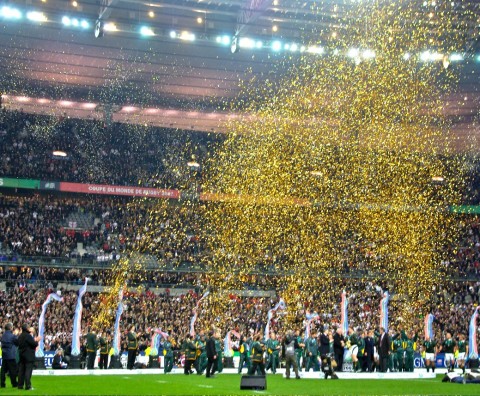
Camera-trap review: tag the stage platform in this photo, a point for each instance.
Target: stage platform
(417, 374)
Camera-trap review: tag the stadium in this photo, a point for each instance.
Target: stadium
(201, 197)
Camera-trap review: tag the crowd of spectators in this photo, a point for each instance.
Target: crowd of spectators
(38, 226)
(467, 258)
(38, 244)
(117, 154)
(22, 217)
(35, 227)
(172, 313)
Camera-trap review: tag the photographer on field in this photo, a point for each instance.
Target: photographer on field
(290, 344)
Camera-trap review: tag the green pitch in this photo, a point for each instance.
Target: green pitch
(229, 384)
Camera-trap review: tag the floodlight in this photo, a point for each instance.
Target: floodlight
(146, 31)
(10, 13)
(276, 46)
(36, 16)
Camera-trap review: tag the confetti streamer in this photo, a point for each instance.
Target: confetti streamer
(472, 336)
(384, 311)
(77, 320)
(227, 343)
(155, 341)
(309, 318)
(344, 313)
(41, 322)
(280, 305)
(429, 326)
(195, 313)
(116, 329)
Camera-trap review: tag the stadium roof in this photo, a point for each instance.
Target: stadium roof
(171, 61)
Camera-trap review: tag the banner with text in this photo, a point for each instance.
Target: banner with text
(49, 185)
(130, 191)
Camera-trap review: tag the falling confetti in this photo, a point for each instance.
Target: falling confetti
(340, 174)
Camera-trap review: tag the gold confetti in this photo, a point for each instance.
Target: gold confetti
(338, 176)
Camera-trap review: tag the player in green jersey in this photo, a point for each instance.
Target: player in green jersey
(448, 348)
(430, 353)
(462, 351)
(352, 344)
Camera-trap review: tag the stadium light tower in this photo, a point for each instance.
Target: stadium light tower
(235, 45)
(251, 10)
(104, 13)
(99, 29)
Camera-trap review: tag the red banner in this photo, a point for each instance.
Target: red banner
(119, 190)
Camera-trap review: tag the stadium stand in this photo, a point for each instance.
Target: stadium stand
(52, 241)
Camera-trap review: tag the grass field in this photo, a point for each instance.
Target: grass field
(229, 384)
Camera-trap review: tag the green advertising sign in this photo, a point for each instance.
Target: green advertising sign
(19, 183)
(467, 209)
